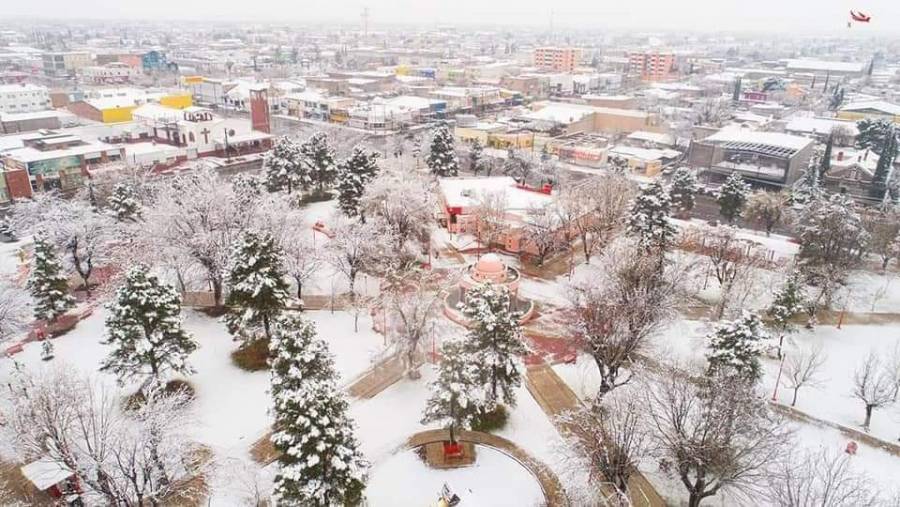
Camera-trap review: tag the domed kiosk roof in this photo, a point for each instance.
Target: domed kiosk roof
(489, 264)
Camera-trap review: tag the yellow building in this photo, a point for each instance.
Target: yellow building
(177, 101)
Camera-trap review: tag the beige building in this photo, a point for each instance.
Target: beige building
(65, 63)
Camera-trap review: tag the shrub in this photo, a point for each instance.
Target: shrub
(494, 420)
(173, 386)
(252, 355)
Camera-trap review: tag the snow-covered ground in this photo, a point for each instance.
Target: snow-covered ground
(405, 480)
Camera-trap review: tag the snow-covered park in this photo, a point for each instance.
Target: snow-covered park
(292, 336)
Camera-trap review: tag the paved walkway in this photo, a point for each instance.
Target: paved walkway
(552, 488)
(555, 397)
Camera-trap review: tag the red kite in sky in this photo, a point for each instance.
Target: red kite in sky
(860, 17)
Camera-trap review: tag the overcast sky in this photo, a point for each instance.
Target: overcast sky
(778, 15)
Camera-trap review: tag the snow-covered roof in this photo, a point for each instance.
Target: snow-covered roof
(157, 112)
(646, 154)
(466, 192)
(45, 473)
(34, 115)
(810, 125)
(653, 137)
(563, 112)
(773, 143)
(875, 105)
(826, 65)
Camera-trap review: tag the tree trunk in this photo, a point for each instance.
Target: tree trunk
(266, 327)
(868, 416)
(217, 291)
(694, 500)
(794, 399)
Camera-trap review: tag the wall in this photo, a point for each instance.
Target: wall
(18, 184)
(85, 110)
(177, 101)
(117, 114)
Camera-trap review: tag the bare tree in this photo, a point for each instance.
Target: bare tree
(713, 433)
(301, 258)
(404, 201)
(803, 368)
(821, 478)
(130, 459)
(610, 441)
(542, 231)
(597, 209)
(619, 312)
(15, 313)
(489, 214)
(413, 298)
(884, 235)
(354, 246)
(733, 266)
(766, 209)
(872, 385)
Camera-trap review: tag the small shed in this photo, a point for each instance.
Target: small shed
(51, 477)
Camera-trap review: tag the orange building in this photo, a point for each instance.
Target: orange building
(652, 66)
(557, 59)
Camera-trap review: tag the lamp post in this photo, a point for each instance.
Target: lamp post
(227, 155)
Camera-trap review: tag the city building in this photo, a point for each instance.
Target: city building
(12, 123)
(651, 66)
(23, 98)
(110, 73)
(47, 160)
(873, 109)
(65, 63)
(760, 157)
(557, 59)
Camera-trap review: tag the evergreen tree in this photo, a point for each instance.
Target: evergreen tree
(683, 189)
(319, 462)
(442, 159)
(354, 174)
(807, 188)
(825, 162)
(732, 197)
(874, 134)
(495, 340)
(832, 236)
(258, 290)
(735, 347)
(455, 400)
(787, 302)
(144, 326)
(47, 283)
(476, 157)
(319, 159)
(283, 167)
(124, 203)
(650, 217)
(883, 168)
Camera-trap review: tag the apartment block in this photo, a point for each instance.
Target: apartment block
(651, 66)
(557, 59)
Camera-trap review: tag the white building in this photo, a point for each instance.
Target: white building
(23, 98)
(109, 73)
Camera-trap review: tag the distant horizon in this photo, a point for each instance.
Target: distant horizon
(829, 17)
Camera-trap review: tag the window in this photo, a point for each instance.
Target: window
(191, 137)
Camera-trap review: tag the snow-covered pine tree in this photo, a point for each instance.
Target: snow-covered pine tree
(735, 347)
(124, 203)
(319, 463)
(495, 340)
(650, 218)
(456, 395)
(683, 189)
(354, 174)
(807, 188)
(787, 302)
(476, 157)
(442, 159)
(319, 159)
(144, 327)
(886, 158)
(258, 291)
(283, 167)
(825, 161)
(732, 197)
(48, 285)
